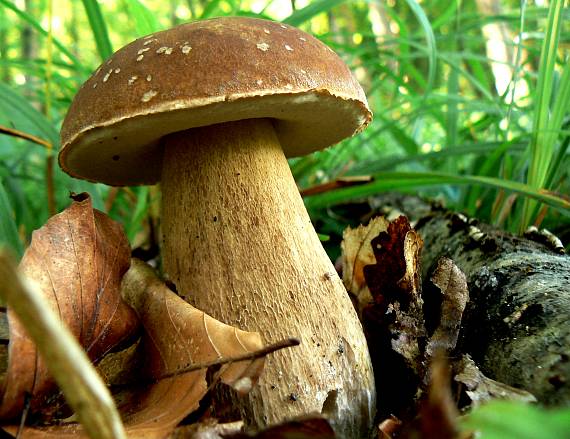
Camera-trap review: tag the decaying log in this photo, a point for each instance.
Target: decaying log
(516, 324)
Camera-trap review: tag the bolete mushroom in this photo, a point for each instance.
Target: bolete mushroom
(211, 110)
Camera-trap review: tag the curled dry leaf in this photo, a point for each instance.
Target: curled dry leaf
(395, 275)
(356, 254)
(389, 428)
(481, 389)
(455, 294)
(77, 260)
(176, 336)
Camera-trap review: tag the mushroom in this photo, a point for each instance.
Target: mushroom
(211, 110)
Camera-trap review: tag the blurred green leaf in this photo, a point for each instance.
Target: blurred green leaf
(509, 420)
(139, 213)
(430, 41)
(8, 229)
(209, 9)
(38, 27)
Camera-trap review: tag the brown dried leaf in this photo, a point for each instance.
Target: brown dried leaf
(176, 336)
(438, 412)
(389, 428)
(481, 389)
(396, 276)
(453, 286)
(394, 323)
(302, 428)
(395, 284)
(77, 259)
(356, 254)
(182, 335)
(309, 427)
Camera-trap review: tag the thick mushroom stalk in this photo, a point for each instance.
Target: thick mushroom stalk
(238, 241)
(239, 244)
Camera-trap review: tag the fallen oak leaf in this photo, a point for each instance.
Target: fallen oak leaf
(77, 260)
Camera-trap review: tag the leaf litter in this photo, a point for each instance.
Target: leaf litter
(79, 259)
(413, 333)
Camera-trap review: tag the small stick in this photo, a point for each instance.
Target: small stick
(336, 184)
(287, 343)
(22, 135)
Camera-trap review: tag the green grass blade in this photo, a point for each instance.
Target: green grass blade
(446, 16)
(300, 16)
(557, 169)
(561, 108)
(99, 28)
(457, 151)
(139, 213)
(209, 9)
(145, 21)
(430, 42)
(407, 180)
(540, 147)
(24, 116)
(542, 143)
(8, 229)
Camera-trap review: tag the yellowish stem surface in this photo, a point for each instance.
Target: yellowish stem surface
(239, 244)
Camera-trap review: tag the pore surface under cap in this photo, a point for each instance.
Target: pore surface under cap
(205, 73)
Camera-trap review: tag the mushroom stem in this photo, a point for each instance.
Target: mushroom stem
(239, 244)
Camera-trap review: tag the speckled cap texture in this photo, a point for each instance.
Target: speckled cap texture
(205, 73)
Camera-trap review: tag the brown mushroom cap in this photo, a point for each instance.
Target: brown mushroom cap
(200, 74)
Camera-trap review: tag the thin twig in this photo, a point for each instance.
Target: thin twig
(287, 343)
(22, 135)
(336, 184)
